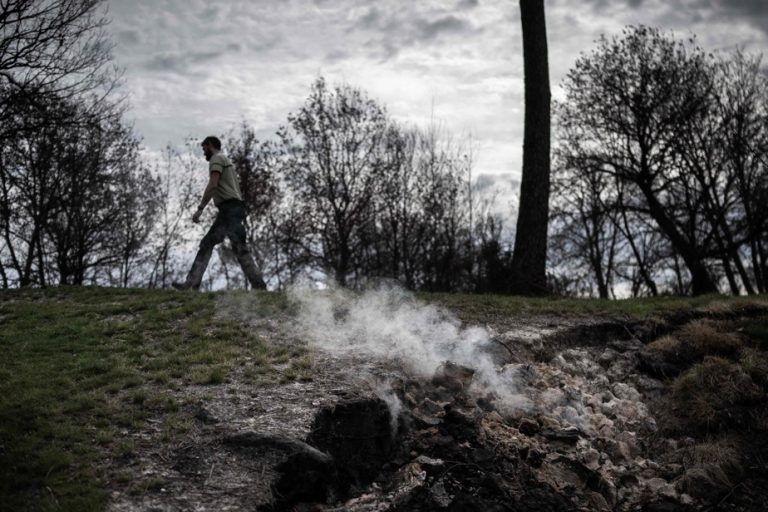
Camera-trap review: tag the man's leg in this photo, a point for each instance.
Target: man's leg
(249, 266)
(214, 236)
(236, 233)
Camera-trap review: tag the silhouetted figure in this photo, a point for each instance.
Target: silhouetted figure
(224, 189)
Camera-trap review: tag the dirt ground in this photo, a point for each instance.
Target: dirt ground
(586, 438)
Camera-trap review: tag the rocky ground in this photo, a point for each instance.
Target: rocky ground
(591, 413)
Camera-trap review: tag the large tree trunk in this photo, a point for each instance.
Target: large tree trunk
(530, 254)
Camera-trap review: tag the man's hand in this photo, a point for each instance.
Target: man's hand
(196, 216)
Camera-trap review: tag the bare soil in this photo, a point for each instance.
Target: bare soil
(588, 441)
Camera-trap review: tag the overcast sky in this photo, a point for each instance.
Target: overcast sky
(197, 67)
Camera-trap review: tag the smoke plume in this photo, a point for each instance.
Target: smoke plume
(390, 324)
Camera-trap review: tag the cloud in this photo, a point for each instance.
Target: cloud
(388, 32)
(458, 61)
(428, 30)
(468, 4)
(180, 62)
(754, 12)
(128, 37)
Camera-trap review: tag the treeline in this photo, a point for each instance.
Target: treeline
(341, 191)
(660, 182)
(74, 199)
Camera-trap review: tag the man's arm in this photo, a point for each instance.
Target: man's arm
(213, 182)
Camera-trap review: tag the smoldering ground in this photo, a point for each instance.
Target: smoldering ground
(390, 324)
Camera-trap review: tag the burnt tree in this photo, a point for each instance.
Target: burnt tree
(530, 253)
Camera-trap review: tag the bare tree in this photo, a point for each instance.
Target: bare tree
(334, 166)
(743, 110)
(56, 48)
(628, 104)
(583, 230)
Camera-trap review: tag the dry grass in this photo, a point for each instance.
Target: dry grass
(669, 346)
(713, 395)
(693, 342)
(706, 337)
(755, 363)
(719, 452)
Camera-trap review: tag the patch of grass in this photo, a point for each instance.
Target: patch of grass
(81, 364)
(755, 363)
(150, 484)
(755, 330)
(706, 337)
(124, 450)
(209, 375)
(692, 342)
(720, 452)
(713, 395)
(176, 424)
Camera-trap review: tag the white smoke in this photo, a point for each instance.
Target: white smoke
(389, 323)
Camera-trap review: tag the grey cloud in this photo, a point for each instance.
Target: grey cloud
(371, 19)
(754, 12)
(448, 24)
(178, 62)
(468, 4)
(390, 32)
(128, 37)
(336, 56)
(266, 44)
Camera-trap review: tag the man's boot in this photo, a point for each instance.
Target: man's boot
(195, 275)
(251, 272)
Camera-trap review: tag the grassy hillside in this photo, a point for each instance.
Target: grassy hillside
(84, 369)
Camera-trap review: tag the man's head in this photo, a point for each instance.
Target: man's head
(210, 146)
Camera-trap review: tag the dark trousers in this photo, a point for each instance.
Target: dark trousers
(228, 224)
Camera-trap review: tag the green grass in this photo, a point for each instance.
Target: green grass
(487, 308)
(83, 368)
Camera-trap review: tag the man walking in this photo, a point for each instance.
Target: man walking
(224, 188)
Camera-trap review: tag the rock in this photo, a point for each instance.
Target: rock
(204, 415)
(358, 435)
(433, 407)
(597, 502)
(529, 426)
(626, 392)
(439, 495)
(569, 435)
(424, 419)
(453, 376)
(591, 459)
(655, 484)
(534, 458)
(619, 452)
(425, 461)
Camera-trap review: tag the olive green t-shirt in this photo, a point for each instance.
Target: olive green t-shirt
(229, 187)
